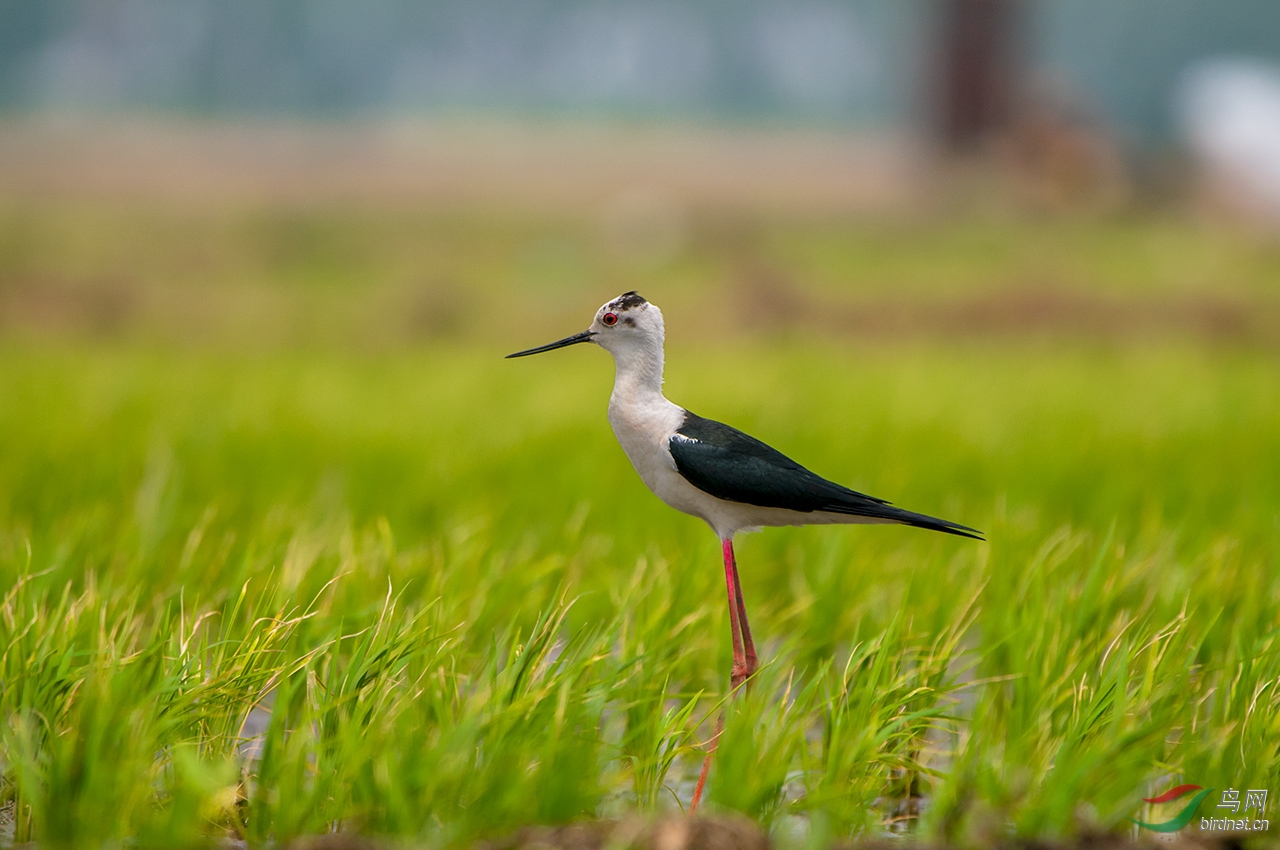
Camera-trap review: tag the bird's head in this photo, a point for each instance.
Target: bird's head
(626, 323)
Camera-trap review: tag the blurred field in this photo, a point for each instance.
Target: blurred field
(287, 546)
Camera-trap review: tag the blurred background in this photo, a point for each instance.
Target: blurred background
(1011, 262)
(318, 171)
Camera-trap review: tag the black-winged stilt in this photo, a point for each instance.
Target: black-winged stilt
(730, 480)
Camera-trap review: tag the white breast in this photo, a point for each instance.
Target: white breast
(643, 429)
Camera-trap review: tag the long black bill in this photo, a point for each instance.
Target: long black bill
(585, 336)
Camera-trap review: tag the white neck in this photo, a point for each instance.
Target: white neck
(638, 376)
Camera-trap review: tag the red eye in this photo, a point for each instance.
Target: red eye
(610, 319)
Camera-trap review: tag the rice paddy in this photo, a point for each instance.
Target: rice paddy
(280, 555)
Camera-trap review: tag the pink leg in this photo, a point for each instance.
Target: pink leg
(745, 662)
(706, 767)
(751, 661)
(739, 673)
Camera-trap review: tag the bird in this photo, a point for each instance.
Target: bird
(730, 480)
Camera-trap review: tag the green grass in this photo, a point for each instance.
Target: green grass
(269, 465)
(465, 613)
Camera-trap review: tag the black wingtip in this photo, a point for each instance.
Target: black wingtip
(945, 526)
(888, 512)
(930, 523)
(957, 530)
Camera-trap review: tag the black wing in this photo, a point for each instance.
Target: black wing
(737, 467)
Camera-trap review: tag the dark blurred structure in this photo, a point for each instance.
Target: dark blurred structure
(977, 69)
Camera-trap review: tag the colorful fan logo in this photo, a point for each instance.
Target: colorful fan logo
(1183, 817)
